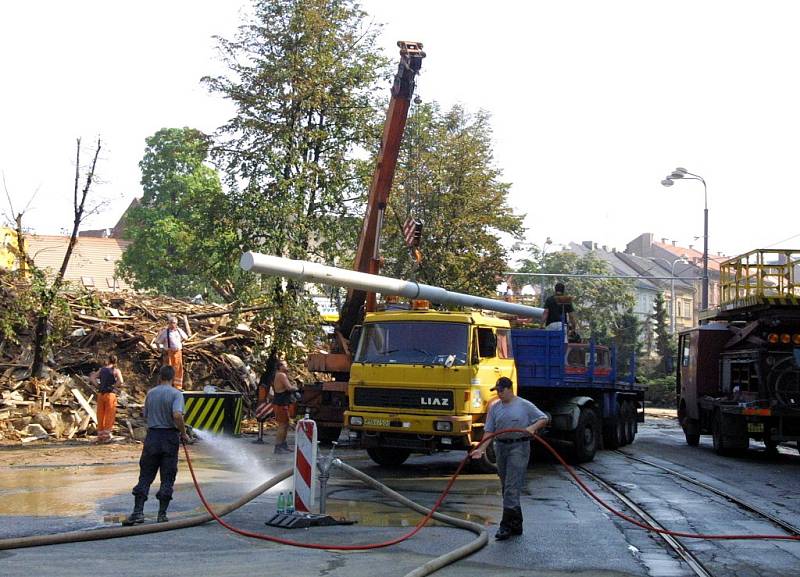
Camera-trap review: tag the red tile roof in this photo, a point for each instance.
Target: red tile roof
(92, 263)
(692, 255)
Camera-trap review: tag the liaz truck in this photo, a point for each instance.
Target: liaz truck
(420, 378)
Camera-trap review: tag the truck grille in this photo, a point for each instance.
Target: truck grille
(404, 399)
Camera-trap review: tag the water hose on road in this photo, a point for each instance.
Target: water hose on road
(426, 569)
(646, 526)
(116, 532)
(438, 562)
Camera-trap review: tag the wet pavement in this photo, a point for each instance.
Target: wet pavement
(566, 532)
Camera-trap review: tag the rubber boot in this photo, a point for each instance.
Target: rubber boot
(282, 448)
(138, 511)
(163, 505)
(516, 521)
(504, 532)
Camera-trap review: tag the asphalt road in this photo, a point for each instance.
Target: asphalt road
(566, 533)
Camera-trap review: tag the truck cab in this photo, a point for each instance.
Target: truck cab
(420, 380)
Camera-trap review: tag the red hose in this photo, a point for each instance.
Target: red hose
(487, 437)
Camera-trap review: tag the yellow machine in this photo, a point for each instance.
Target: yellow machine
(420, 381)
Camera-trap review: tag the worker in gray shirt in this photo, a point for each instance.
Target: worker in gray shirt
(163, 409)
(512, 450)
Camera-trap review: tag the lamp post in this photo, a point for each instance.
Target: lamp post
(681, 173)
(544, 249)
(672, 288)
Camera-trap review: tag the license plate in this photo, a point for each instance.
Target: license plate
(755, 427)
(376, 422)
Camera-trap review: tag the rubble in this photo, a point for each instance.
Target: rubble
(219, 352)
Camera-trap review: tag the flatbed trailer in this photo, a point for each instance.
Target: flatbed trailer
(592, 402)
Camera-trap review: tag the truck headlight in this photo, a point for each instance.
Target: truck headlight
(356, 421)
(477, 400)
(444, 426)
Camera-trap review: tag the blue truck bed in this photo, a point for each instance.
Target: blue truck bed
(542, 361)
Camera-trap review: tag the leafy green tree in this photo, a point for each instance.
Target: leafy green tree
(601, 305)
(627, 338)
(303, 78)
(664, 344)
(184, 240)
(447, 179)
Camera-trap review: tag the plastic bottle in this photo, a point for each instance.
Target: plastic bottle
(290, 503)
(281, 503)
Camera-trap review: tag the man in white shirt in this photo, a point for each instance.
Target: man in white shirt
(170, 340)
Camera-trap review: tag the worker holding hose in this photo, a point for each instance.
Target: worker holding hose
(512, 449)
(163, 409)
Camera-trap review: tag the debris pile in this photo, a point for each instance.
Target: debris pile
(219, 353)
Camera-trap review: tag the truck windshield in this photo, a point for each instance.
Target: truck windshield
(413, 343)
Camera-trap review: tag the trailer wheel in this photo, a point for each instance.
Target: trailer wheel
(586, 435)
(629, 421)
(388, 456)
(612, 432)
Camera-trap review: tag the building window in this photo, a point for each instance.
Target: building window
(88, 281)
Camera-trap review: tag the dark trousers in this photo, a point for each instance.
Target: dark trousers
(512, 464)
(159, 455)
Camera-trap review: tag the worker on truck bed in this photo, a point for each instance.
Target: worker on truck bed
(512, 450)
(558, 308)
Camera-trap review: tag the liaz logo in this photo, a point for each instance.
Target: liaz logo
(435, 402)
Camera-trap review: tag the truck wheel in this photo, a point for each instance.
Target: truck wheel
(691, 429)
(487, 463)
(720, 448)
(612, 433)
(629, 412)
(328, 435)
(586, 435)
(692, 439)
(388, 456)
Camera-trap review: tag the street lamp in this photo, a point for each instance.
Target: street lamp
(683, 174)
(541, 282)
(672, 287)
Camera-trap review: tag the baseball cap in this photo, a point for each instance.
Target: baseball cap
(502, 383)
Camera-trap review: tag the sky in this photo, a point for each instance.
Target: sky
(592, 105)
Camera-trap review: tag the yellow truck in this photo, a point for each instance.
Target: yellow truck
(420, 381)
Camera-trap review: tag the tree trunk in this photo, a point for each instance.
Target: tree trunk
(41, 335)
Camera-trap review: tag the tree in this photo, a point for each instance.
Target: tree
(600, 304)
(49, 292)
(664, 345)
(302, 75)
(627, 339)
(184, 239)
(447, 179)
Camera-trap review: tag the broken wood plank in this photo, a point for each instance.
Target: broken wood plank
(85, 404)
(59, 392)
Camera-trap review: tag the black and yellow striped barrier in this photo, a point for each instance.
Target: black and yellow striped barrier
(214, 412)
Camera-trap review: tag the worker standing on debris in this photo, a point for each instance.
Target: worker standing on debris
(107, 379)
(163, 409)
(282, 398)
(170, 339)
(511, 449)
